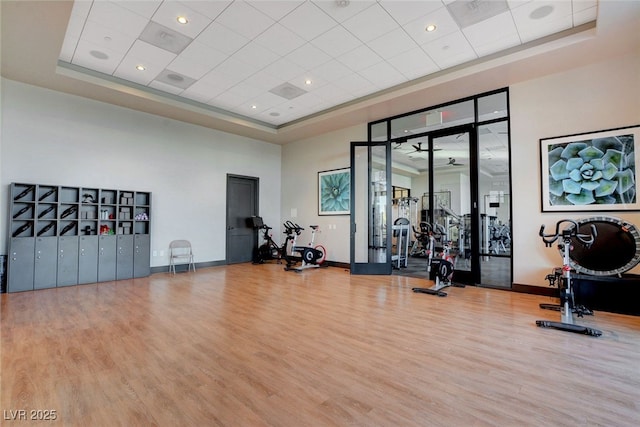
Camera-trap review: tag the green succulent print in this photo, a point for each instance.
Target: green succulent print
(595, 171)
(335, 193)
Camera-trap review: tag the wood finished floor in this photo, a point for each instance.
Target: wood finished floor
(252, 345)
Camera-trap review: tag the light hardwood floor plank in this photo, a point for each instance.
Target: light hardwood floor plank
(253, 345)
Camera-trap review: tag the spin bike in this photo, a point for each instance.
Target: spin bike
(269, 250)
(441, 266)
(567, 305)
(309, 256)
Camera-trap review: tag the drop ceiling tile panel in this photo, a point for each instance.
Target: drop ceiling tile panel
(383, 75)
(93, 57)
(256, 55)
(197, 60)
(244, 19)
(275, 9)
(371, 23)
(537, 19)
(144, 8)
(202, 92)
(360, 58)
(332, 94)
(414, 63)
(107, 38)
(336, 41)
(113, 16)
(263, 81)
(308, 57)
(229, 99)
(283, 69)
(146, 53)
(127, 71)
(333, 70)
(585, 15)
(405, 11)
(392, 43)
(222, 38)
(493, 34)
(450, 50)
(279, 39)
(168, 13)
(444, 23)
(354, 84)
(236, 70)
(582, 5)
(68, 49)
(165, 87)
(308, 21)
(79, 14)
(210, 9)
(340, 12)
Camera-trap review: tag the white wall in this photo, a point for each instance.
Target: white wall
(301, 162)
(600, 96)
(54, 138)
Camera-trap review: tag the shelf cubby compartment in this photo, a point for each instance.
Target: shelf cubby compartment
(68, 211)
(47, 194)
(125, 227)
(106, 227)
(108, 197)
(22, 229)
(23, 193)
(69, 195)
(89, 196)
(46, 211)
(141, 227)
(68, 228)
(22, 211)
(46, 228)
(88, 227)
(125, 198)
(142, 199)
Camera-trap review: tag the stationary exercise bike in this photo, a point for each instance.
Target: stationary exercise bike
(440, 263)
(269, 249)
(309, 256)
(567, 305)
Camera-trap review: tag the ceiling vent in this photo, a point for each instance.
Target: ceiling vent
(164, 38)
(469, 12)
(288, 91)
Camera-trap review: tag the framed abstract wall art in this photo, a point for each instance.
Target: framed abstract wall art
(593, 171)
(334, 192)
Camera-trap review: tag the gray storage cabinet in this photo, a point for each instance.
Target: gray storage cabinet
(65, 235)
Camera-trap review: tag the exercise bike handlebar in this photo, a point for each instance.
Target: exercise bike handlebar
(570, 231)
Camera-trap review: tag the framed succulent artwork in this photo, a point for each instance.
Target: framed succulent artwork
(593, 171)
(334, 192)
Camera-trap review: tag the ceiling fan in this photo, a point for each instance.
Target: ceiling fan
(452, 162)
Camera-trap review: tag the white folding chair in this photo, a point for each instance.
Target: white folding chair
(180, 252)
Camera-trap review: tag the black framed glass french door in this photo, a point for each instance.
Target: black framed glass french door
(370, 208)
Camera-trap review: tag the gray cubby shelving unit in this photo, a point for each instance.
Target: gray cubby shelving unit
(63, 236)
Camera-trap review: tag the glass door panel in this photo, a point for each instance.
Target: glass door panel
(495, 205)
(370, 207)
(451, 210)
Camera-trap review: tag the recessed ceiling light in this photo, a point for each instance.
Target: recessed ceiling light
(430, 28)
(253, 107)
(140, 67)
(182, 19)
(308, 82)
